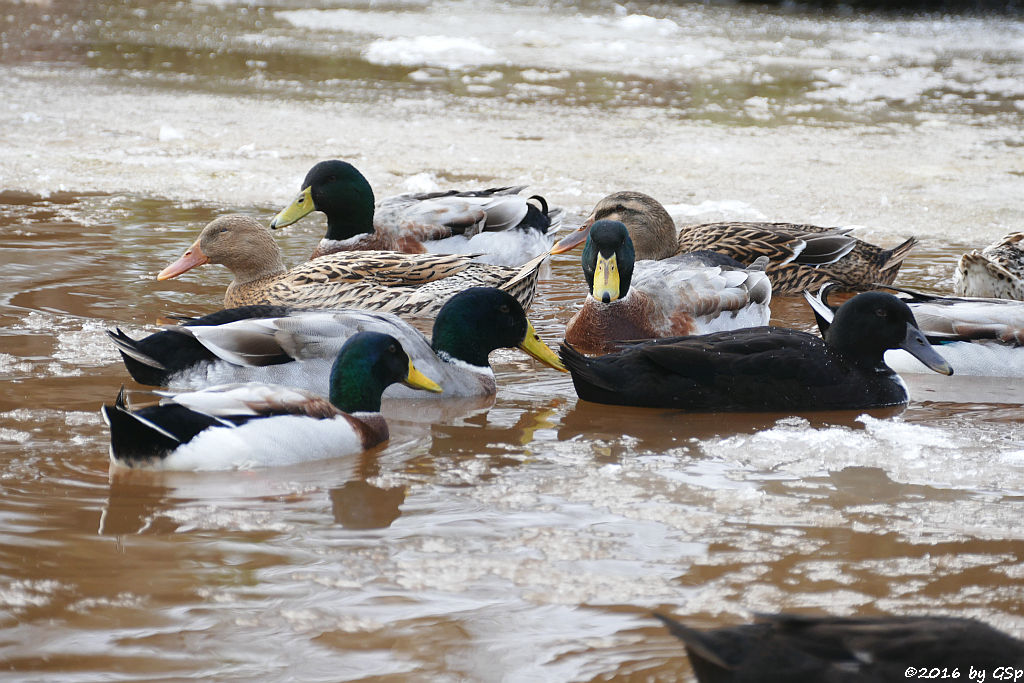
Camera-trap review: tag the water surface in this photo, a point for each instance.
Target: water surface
(528, 540)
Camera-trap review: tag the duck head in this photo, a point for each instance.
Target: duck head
(479, 320)
(650, 226)
(871, 323)
(238, 242)
(368, 363)
(608, 260)
(339, 190)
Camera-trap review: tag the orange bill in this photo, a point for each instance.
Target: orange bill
(573, 239)
(189, 260)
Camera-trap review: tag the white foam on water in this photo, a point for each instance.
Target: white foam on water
(451, 53)
(911, 453)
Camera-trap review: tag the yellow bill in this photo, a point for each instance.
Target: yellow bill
(606, 279)
(417, 380)
(301, 207)
(537, 349)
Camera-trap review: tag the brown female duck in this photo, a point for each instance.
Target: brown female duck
(410, 284)
(799, 256)
(997, 271)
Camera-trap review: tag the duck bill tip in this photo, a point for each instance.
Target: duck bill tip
(535, 348)
(916, 344)
(300, 207)
(572, 240)
(193, 257)
(417, 380)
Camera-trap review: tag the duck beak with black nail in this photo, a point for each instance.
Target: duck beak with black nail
(917, 346)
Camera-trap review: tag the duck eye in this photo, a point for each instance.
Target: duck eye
(881, 313)
(503, 308)
(392, 349)
(331, 178)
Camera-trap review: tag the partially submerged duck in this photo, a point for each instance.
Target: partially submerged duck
(410, 284)
(977, 336)
(296, 348)
(684, 295)
(782, 648)
(799, 256)
(441, 222)
(997, 271)
(765, 369)
(259, 425)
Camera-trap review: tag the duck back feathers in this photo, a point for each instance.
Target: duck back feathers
(997, 271)
(801, 256)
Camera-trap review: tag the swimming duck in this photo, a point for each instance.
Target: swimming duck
(977, 336)
(499, 223)
(799, 256)
(686, 294)
(256, 425)
(296, 348)
(781, 648)
(765, 368)
(997, 271)
(409, 284)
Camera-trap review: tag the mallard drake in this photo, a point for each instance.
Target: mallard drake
(499, 223)
(765, 368)
(296, 348)
(409, 284)
(256, 425)
(997, 271)
(781, 648)
(976, 336)
(799, 256)
(687, 294)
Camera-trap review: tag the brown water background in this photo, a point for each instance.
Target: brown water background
(528, 540)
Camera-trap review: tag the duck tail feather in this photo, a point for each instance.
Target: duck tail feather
(823, 313)
(130, 347)
(697, 643)
(892, 259)
(133, 438)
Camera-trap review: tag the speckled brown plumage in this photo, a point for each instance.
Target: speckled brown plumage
(377, 241)
(997, 271)
(800, 256)
(787, 244)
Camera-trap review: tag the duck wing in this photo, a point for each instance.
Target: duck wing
(958, 318)
(748, 369)
(466, 212)
(254, 399)
(385, 268)
(801, 256)
(782, 243)
(154, 359)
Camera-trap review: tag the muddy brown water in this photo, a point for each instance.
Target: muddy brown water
(528, 539)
